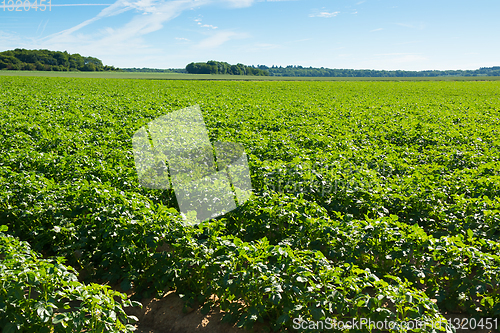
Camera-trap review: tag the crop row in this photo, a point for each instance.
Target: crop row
(374, 200)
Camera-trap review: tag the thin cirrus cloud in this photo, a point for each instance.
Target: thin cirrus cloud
(43, 28)
(410, 58)
(218, 39)
(152, 14)
(419, 25)
(248, 3)
(115, 9)
(240, 3)
(324, 14)
(80, 4)
(128, 37)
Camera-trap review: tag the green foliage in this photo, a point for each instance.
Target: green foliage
(258, 281)
(218, 67)
(45, 60)
(43, 295)
(370, 199)
(300, 71)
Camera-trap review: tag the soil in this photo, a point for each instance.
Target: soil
(166, 315)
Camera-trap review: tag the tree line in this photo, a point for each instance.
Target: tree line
(328, 72)
(218, 67)
(45, 60)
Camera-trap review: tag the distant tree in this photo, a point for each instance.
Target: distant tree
(89, 67)
(62, 58)
(39, 66)
(49, 60)
(217, 67)
(28, 67)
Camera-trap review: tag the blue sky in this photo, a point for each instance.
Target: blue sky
(369, 34)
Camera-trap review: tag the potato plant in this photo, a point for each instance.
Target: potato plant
(370, 199)
(42, 295)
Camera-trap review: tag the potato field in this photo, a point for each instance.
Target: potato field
(376, 200)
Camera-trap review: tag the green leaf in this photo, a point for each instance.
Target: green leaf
(283, 319)
(10, 328)
(317, 314)
(126, 285)
(276, 298)
(470, 233)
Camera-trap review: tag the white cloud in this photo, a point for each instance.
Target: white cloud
(153, 15)
(259, 47)
(409, 58)
(182, 38)
(378, 29)
(239, 3)
(145, 6)
(80, 4)
(117, 8)
(43, 28)
(121, 43)
(419, 25)
(247, 3)
(7, 39)
(218, 39)
(204, 25)
(325, 14)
